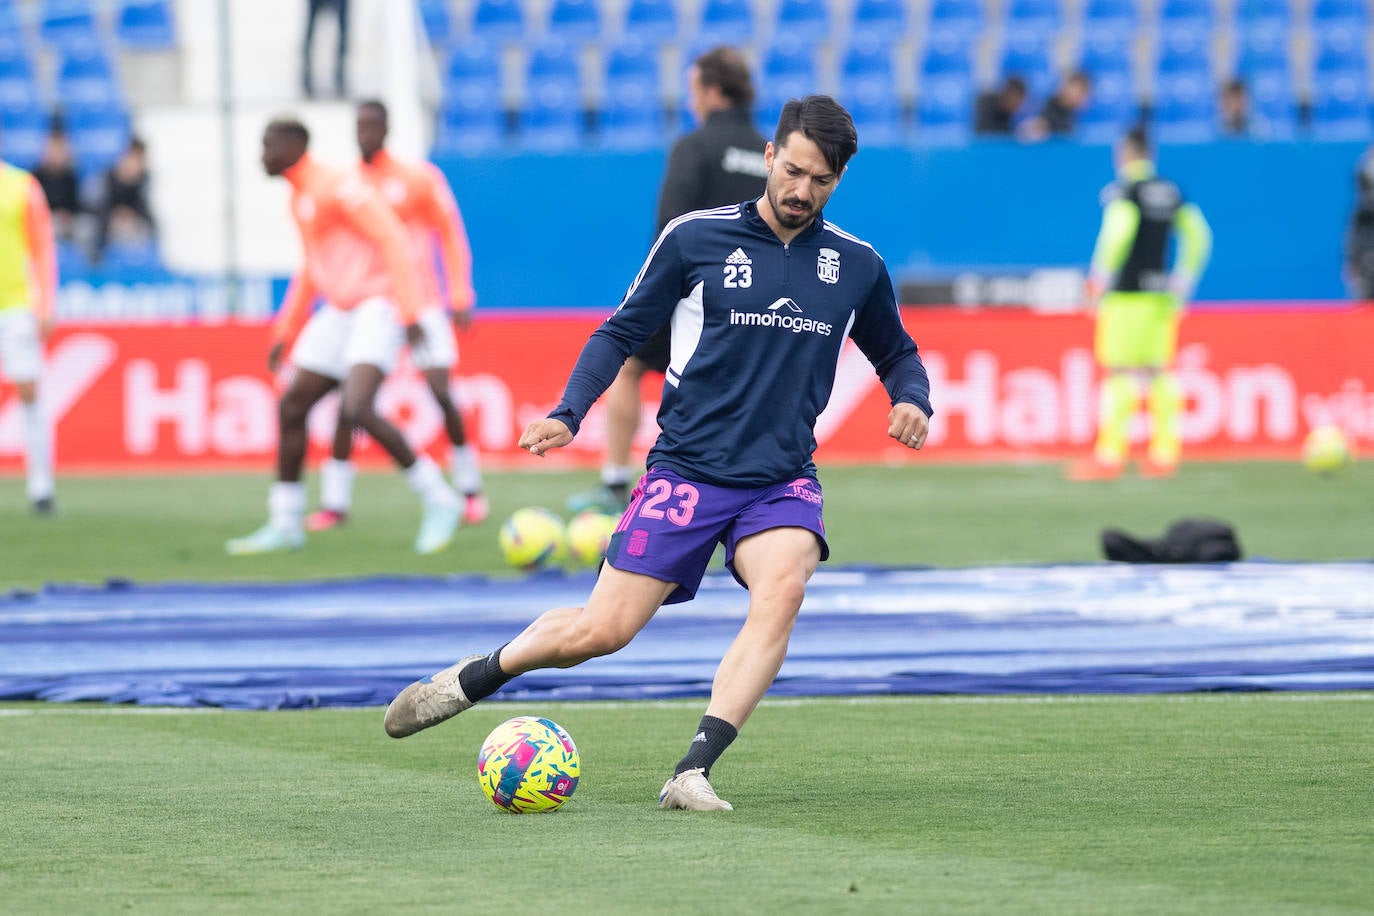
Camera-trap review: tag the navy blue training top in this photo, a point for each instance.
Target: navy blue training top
(757, 328)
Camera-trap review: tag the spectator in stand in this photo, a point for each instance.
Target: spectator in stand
(340, 9)
(57, 176)
(123, 213)
(1058, 117)
(1238, 120)
(996, 110)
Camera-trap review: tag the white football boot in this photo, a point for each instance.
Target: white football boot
(429, 701)
(690, 791)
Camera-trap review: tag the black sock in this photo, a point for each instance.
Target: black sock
(481, 679)
(620, 491)
(712, 738)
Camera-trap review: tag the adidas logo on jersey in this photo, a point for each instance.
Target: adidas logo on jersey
(738, 257)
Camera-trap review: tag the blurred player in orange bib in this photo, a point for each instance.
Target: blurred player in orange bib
(358, 260)
(28, 292)
(420, 196)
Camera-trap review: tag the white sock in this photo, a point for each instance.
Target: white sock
(616, 475)
(467, 473)
(286, 506)
(427, 480)
(336, 485)
(38, 451)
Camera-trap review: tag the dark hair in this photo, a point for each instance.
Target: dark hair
(725, 68)
(824, 122)
(1235, 86)
(376, 105)
(291, 127)
(1014, 83)
(1138, 139)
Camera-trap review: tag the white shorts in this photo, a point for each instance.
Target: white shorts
(440, 350)
(333, 340)
(21, 352)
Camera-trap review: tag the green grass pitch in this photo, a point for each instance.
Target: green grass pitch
(1212, 803)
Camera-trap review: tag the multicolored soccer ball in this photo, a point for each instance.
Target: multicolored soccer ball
(528, 765)
(589, 533)
(1326, 450)
(532, 538)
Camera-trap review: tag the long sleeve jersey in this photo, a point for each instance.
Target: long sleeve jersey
(757, 329)
(355, 247)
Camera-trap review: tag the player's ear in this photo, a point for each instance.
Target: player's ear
(768, 154)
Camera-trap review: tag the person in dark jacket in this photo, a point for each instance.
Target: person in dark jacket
(721, 162)
(996, 110)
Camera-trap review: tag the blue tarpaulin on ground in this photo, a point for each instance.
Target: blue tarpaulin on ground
(1055, 629)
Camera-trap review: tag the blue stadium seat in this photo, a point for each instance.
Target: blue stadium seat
(1111, 108)
(789, 56)
(631, 114)
(967, 17)
(1263, 14)
(633, 60)
(86, 75)
(883, 18)
(651, 19)
(809, 19)
(866, 55)
(11, 22)
(1340, 49)
(132, 259)
(71, 260)
(1027, 55)
(1340, 106)
(1273, 103)
(16, 64)
(1033, 15)
(578, 20)
(875, 107)
(24, 124)
(473, 62)
(1118, 15)
(1328, 14)
(947, 51)
(1197, 15)
(1262, 49)
(145, 25)
(99, 135)
(1105, 51)
(470, 121)
(498, 20)
(437, 20)
(726, 22)
(551, 116)
(1183, 51)
(64, 21)
(1185, 108)
(944, 110)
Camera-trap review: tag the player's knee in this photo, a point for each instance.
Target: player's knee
(355, 413)
(292, 411)
(593, 641)
(781, 596)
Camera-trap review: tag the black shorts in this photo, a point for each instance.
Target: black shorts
(656, 350)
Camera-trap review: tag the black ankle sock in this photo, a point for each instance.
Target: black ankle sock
(712, 738)
(483, 678)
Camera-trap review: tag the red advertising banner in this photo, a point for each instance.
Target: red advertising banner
(1005, 384)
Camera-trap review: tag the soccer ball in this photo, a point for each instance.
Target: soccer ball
(531, 538)
(528, 765)
(588, 535)
(1326, 450)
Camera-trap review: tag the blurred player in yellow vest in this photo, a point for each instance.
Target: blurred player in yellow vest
(1139, 301)
(28, 290)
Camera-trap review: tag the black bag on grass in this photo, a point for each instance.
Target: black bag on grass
(1188, 540)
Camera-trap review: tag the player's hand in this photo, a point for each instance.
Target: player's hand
(415, 335)
(274, 357)
(545, 434)
(908, 425)
(462, 317)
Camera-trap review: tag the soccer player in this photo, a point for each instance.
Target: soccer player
(358, 259)
(1139, 302)
(28, 292)
(761, 297)
(721, 162)
(420, 197)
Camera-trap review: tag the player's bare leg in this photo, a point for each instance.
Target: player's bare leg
(441, 505)
(776, 564)
(466, 472)
(620, 604)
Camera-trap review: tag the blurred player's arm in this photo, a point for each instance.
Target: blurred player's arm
(1120, 220)
(42, 257)
(880, 335)
(291, 317)
(454, 250)
(1195, 249)
(369, 214)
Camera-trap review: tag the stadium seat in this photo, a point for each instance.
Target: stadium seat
(1262, 49)
(655, 20)
(866, 56)
(1111, 108)
(944, 111)
(1263, 14)
(64, 21)
(631, 115)
(145, 25)
(1273, 103)
(966, 17)
(1032, 15)
(808, 19)
(787, 57)
(16, 64)
(86, 76)
(1340, 106)
(947, 52)
(1027, 54)
(11, 22)
(1104, 51)
(884, 18)
(99, 135)
(729, 22)
(437, 20)
(470, 122)
(473, 62)
(1194, 15)
(551, 116)
(1340, 49)
(1327, 14)
(498, 20)
(1184, 108)
(1183, 51)
(132, 259)
(24, 124)
(875, 107)
(575, 20)
(1115, 15)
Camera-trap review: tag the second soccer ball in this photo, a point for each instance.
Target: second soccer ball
(532, 538)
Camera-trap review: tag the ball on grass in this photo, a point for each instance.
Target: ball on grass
(1326, 450)
(532, 538)
(528, 765)
(589, 533)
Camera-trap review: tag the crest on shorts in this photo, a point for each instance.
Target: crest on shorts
(828, 265)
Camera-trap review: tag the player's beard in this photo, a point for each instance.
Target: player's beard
(787, 219)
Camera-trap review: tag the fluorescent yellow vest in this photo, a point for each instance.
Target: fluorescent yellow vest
(16, 289)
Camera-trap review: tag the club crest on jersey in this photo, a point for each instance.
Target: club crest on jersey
(828, 265)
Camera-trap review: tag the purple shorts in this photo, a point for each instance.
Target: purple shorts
(673, 525)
